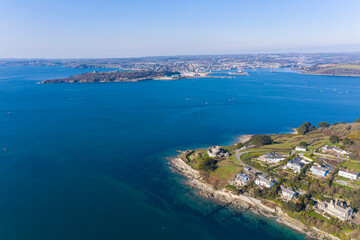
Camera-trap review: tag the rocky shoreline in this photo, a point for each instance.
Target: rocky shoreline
(242, 201)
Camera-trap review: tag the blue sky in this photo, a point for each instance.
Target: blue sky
(110, 28)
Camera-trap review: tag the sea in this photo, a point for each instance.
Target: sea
(89, 160)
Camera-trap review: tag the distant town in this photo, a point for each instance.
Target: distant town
(310, 176)
(342, 64)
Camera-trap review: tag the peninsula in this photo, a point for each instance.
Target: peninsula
(332, 70)
(308, 180)
(130, 76)
(116, 76)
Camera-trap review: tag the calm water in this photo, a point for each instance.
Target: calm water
(87, 161)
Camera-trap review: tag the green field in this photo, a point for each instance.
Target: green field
(226, 171)
(318, 216)
(349, 66)
(352, 165)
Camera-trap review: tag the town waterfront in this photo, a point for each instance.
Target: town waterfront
(88, 161)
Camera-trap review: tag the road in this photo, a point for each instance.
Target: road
(331, 156)
(238, 157)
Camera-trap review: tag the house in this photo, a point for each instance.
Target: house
(242, 179)
(272, 157)
(288, 193)
(319, 170)
(301, 149)
(295, 164)
(263, 181)
(348, 173)
(335, 149)
(337, 209)
(247, 168)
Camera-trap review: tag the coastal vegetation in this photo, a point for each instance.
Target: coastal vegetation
(114, 76)
(333, 69)
(261, 140)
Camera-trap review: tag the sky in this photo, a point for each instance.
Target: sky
(135, 28)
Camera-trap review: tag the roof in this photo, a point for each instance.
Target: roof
(318, 168)
(288, 191)
(348, 171)
(296, 161)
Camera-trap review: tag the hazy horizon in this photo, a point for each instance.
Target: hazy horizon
(188, 55)
(122, 29)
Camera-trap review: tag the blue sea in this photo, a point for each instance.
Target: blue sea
(88, 161)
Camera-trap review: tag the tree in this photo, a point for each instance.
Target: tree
(303, 144)
(260, 140)
(335, 123)
(209, 164)
(334, 139)
(239, 145)
(323, 124)
(305, 128)
(257, 193)
(347, 141)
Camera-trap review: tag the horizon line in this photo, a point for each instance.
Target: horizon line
(177, 55)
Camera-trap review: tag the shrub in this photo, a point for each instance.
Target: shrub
(239, 145)
(334, 139)
(347, 141)
(305, 128)
(323, 124)
(261, 140)
(209, 165)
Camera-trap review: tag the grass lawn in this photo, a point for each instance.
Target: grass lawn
(352, 165)
(226, 171)
(350, 66)
(233, 159)
(318, 216)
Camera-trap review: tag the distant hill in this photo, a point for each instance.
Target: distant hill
(333, 70)
(114, 76)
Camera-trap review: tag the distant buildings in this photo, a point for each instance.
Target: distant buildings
(334, 149)
(301, 149)
(319, 170)
(348, 174)
(295, 164)
(272, 157)
(264, 181)
(337, 209)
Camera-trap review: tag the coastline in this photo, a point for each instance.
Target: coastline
(205, 190)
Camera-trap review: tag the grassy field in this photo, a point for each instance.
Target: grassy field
(352, 165)
(349, 66)
(318, 216)
(226, 171)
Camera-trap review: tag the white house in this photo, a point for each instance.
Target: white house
(288, 193)
(295, 164)
(242, 179)
(348, 174)
(301, 149)
(337, 209)
(272, 157)
(334, 149)
(319, 170)
(263, 181)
